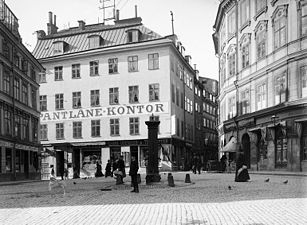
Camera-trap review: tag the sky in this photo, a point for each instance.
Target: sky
(193, 22)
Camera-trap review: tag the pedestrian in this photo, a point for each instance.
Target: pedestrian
(241, 169)
(121, 169)
(133, 172)
(54, 182)
(223, 163)
(98, 170)
(108, 171)
(198, 164)
(66, 173)
(194, 164)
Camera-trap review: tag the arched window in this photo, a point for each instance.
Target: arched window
(245, 50)
(261, 39)
(279, 22)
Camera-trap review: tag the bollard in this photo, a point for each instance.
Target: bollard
(187, 178)
(170, 180)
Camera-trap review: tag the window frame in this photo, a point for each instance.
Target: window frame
(261, 96)
(134, 125)
(43, 103)
(303, 4)
(76, 100)
(43, 132)
(58, 73)
(279, 23)
(113, 65)
(133, 93)
(280, 93)
(59, 131)
(95, 98)
(303, 81)
(133, 63)
(114, 127)
(114, 96)
(77, 129)
(94, 68)
(75, 71)
(153, 61)
(261, 35)
(95, 128)
(59, 101)
(154, 92)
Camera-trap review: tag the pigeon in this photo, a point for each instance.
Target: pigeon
(267, 180)
(285, 182)
(229, 187)
(74, 183)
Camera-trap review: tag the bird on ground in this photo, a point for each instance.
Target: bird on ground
(74, 183)
(229, 187)
(267, 180)
(285, 182)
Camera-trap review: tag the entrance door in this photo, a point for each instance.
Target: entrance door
(281, 146)
(59, 163)
(246, 149)
(26, 164)
(76, 163)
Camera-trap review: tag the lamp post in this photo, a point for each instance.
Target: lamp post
(152, 171)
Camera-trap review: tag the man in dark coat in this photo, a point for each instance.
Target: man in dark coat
(133, 172)
(108, 169)
(121, 168)
(241, 169)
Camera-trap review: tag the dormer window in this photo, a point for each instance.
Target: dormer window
(133, 35)
(58, 47)
(95, 41)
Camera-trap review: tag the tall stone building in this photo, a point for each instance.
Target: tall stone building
(19, 111)
(102, 83)
(262, 50)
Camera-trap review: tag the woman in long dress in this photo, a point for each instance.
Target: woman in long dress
(241, 169)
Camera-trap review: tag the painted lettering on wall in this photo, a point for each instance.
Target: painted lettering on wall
(111, 111)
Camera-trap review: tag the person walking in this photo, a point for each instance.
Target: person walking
(108, 171)
(133, 172)
(199, 164)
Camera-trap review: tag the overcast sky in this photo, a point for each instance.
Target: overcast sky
(193, 21)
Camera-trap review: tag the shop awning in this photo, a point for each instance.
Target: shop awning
(301, 120)
(255, 129)
(231, 146)
(89, 144)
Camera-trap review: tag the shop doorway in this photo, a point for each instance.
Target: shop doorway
(26, 164)
(246, 149)
(60, 163)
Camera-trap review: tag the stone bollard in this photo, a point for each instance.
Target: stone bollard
(170, 180)
(187, 178)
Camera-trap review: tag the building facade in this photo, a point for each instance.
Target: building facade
(102, 82)
(262, 50)
(210, 118)
(19, 111)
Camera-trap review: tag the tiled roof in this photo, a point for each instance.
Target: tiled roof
(77, 39)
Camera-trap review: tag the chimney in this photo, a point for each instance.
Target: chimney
(117, 15)
(81, 24)
(51, 27)
(136, 11)
(188, 58)
(54, 20)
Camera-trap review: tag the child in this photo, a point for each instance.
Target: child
(54, 182)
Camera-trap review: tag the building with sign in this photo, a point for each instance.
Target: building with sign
(262, 53)
(102, 82)
(19, 112)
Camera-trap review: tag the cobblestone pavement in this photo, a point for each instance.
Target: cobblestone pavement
(207, 200)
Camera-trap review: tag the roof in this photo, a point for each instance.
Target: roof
(77, 39)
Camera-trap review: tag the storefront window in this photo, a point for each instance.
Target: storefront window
(8, 160)
(17, 160)
(143, 156)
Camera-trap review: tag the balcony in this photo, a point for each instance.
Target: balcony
(8, 18)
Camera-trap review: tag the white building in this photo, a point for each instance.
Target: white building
(102, 83)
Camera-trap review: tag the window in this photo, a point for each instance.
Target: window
(95, 98)
(279, 26)
(33, 73)
(114, 127)
(58, 47)
(304, 19)
(8, 160)
(59, 130)
(153, 61)
(7, 121)
(223, 35)
(231, 61)
(132, 63)
(42, 77)
(24, 93)
(25, 128)
(94, 41)
(75, 71)
(280, 89)
(133, 35)
(94, 68)
(260, 5)
(304, 81)
(245, 102)
(261, 36)
(244, 11)
(33, 97)
(95, 128)
(113, 96)
(59, 101)
(6, 81)
(223, 69)
(17, 88)
(173, 93)
(261, 96)
(17, 125)
(134, 124)
(58, 73)
(77, 129)
(76, 100)
(5, 49)
(245, 45)
(113, 65)
(133, 94)
(231, 107)
(34, 123)
(43, 132)
(43, 103)
(231, 23)
(177, 96)
(153, 92)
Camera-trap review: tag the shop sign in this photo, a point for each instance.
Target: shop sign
(27, 148)
(99, 112)
(6, 144)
